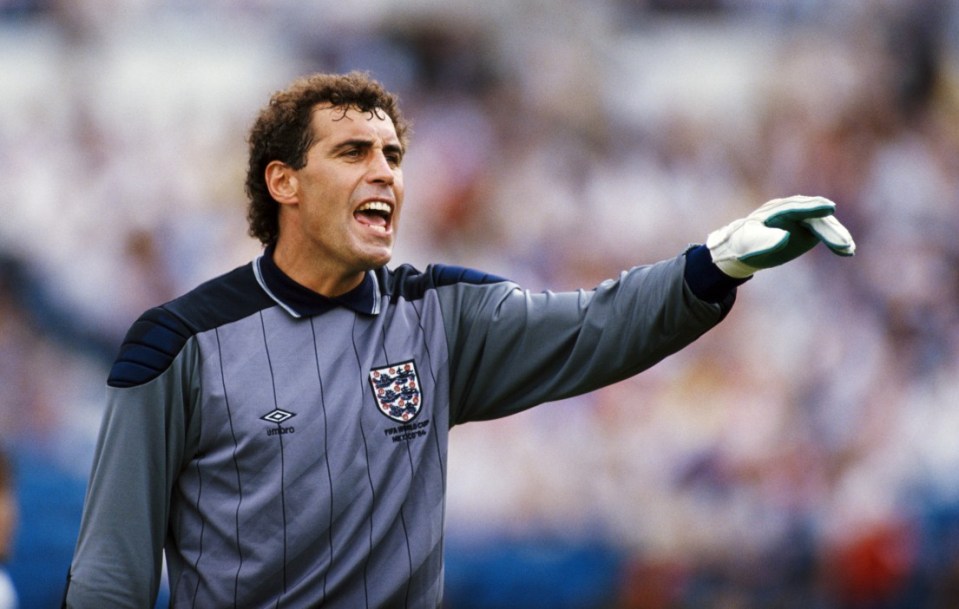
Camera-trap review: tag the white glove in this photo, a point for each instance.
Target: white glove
(777, 232)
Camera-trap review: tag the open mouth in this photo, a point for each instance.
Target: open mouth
(375, 214)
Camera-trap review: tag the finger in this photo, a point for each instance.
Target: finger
(830, 231)
(780, 212)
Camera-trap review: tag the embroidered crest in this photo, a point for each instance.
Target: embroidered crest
(397, 391)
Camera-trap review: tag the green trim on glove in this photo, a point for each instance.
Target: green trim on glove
(777, 232)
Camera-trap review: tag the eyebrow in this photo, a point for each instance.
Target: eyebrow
(367, 143)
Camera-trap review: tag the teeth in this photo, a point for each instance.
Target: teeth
(379, 206)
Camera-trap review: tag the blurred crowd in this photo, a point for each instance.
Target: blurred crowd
(803, 454)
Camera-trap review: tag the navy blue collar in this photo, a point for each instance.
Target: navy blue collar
(300, 301)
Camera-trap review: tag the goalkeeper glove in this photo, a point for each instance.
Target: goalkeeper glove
(777, 232)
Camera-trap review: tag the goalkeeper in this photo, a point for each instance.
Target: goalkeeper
(280, 432)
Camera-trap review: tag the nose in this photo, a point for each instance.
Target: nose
(380, 170)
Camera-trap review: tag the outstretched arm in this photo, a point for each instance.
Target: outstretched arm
(512, 349)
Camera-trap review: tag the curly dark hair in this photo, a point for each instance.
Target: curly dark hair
(282, 132)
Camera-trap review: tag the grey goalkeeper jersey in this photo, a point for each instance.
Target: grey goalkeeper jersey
(289, 450)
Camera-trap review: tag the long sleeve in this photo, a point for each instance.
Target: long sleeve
(140, 450)
(512, 349)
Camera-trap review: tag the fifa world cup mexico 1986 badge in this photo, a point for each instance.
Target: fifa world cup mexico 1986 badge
(397, 391)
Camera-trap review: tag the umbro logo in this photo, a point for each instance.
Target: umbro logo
(278, 416)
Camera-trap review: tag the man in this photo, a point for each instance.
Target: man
(281, 431)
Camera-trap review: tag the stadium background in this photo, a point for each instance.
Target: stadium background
(804, 454)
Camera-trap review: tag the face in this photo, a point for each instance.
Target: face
(339, 212)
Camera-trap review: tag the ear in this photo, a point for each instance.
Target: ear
(282, 182)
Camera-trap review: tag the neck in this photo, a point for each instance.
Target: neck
(315, 273)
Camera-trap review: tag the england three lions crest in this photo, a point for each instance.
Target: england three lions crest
(397, 391)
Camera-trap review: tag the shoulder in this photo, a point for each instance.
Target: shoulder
(157, 337)
(409, 283)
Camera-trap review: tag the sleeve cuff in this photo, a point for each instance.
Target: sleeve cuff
(705, 279)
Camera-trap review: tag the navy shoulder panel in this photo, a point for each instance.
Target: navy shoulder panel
(151, 344)
(158, 336)
(448, 275)
(410, 284)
